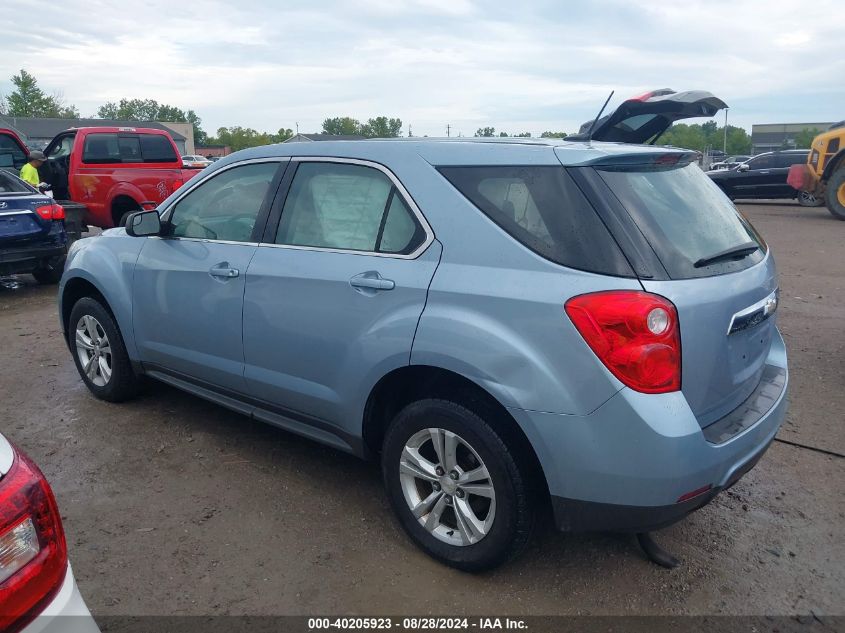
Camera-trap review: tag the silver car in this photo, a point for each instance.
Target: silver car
(501, 324)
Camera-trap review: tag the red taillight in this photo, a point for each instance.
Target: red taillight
(51, 212)
(33, 552)
(635, 334)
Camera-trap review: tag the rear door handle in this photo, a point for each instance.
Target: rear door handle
(223, 270)
(372, 280)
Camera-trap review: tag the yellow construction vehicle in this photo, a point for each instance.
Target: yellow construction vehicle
(823, 176)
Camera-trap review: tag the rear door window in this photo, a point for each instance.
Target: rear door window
(685, 218)
(157, 148)
(130, 149)
(101, 148)
(543, 209)
(347, 207)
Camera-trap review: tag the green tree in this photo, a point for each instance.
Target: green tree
(346, 126)
(486, 131)
(698, 137)
(200, 136)
(523, 135)
(29, 100)
(152, 110)
(238, 137)
(503, 134)
(554, 135)
(382, 127)
(804, 138)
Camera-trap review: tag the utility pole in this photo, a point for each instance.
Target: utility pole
(448, 130)
(297, 127)
(410, 134)
(725, 145)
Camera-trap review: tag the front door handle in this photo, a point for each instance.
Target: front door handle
(764, 172)
(371, 280)
(223, 270)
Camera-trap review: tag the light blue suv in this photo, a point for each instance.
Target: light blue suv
(502, 324)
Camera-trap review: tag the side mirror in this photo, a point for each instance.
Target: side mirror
(143, 224)
(743, 167)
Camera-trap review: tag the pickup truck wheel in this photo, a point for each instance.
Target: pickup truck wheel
(99, 352)
(834, 195)
(455, 486)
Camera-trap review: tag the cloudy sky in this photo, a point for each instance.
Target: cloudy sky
(518, 66)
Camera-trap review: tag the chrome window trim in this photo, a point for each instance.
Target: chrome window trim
(406, 198)
(201, 239)
(202, 179)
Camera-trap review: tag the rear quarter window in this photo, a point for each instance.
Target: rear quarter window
(543, 209)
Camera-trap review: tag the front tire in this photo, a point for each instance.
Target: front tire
(455, 486)
(99, 352)
(834, 195)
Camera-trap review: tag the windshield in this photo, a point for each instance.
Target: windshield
(685, 218)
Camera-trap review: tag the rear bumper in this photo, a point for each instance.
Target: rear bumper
(584, 516)
(24, 259)
(67, 613)
(625, 466)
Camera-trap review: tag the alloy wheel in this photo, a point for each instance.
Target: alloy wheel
(94, 350)
(447, 486)
(807, 199)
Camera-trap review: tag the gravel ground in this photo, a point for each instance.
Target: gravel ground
(176, 506)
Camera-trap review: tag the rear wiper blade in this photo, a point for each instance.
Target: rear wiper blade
(734, 252)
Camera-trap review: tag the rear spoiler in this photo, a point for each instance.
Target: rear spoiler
(656, 159)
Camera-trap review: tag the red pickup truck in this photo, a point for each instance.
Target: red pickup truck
(110, 171)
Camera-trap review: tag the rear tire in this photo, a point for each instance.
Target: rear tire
(465, 520)
(99, 352)
(806, 199)
(834, 195)
(50, 274)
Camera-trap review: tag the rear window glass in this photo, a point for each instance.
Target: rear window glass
(543, 209)
(685, 218)
(11, 184)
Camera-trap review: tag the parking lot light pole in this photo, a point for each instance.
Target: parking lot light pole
(725, 145)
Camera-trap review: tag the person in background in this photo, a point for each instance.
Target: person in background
(29, 172)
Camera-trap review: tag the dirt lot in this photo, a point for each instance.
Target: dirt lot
(176, 506)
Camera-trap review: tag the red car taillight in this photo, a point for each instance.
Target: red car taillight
(33, 552)
(51, 212)
(635, 334)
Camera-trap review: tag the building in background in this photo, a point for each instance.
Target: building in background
(36, 133)
(213, 151)
(768, 137)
